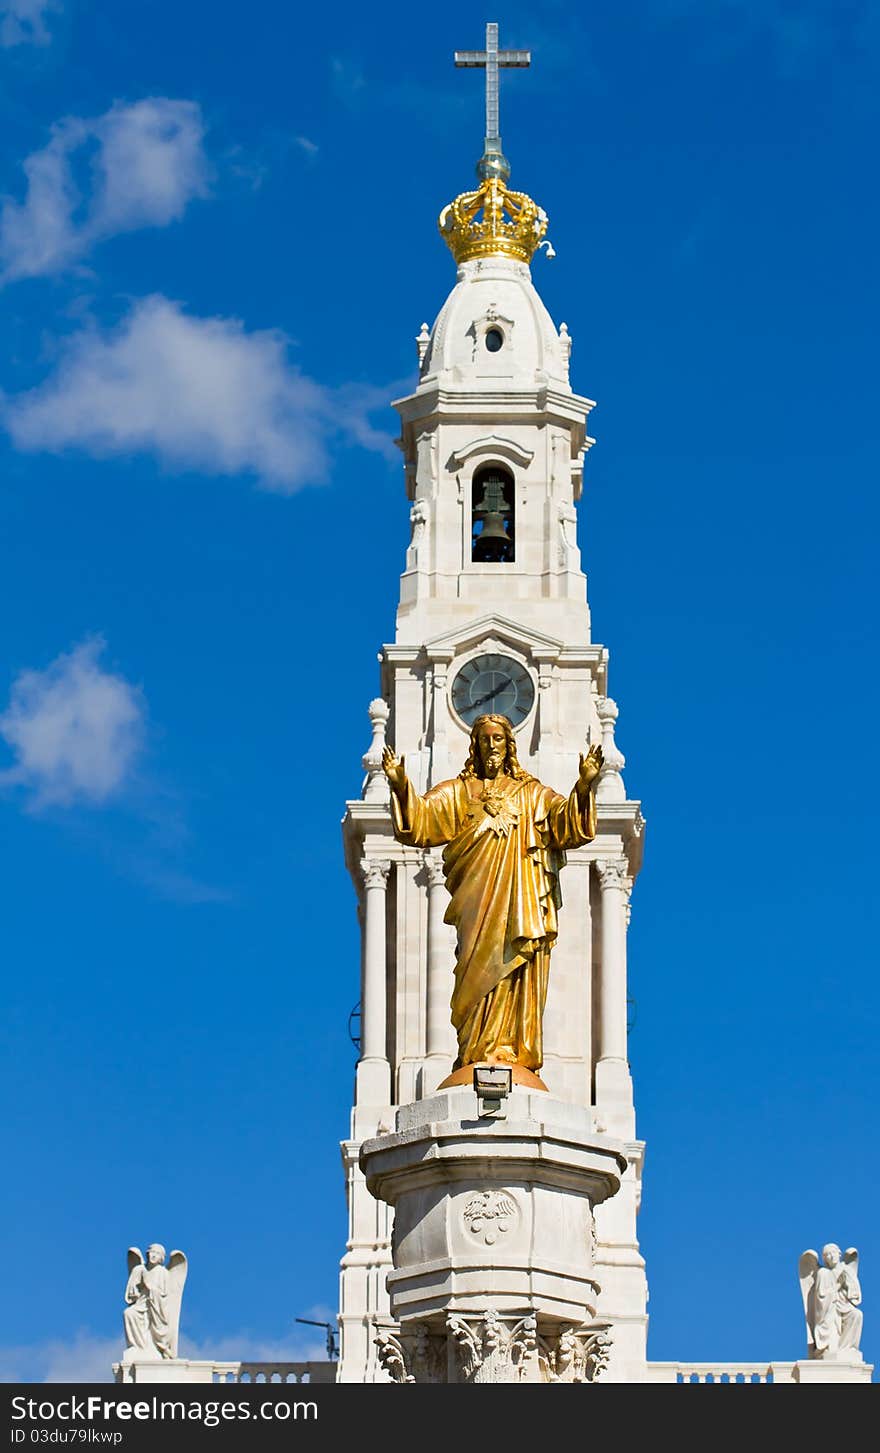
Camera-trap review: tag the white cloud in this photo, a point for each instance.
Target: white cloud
(199, 393)
(23, 22)
(89, 1357)
(39, 236)
(151, 163)
(148, 163)
(74, 729)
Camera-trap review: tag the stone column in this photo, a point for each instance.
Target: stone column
(440, 1036)
(612, 1071)
(549, 740)
(440, 662)
(374, 1071)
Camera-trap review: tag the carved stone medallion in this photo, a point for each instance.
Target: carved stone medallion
(490, 1215)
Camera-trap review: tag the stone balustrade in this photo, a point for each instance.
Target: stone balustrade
(720, 1372)
(183, 1369)
(274, 1372)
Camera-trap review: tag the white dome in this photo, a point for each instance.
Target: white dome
(494, 327)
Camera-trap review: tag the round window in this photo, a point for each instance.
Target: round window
(494, 339)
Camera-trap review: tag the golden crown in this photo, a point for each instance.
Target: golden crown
(492, 222)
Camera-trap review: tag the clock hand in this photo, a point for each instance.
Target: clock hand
(496, 691)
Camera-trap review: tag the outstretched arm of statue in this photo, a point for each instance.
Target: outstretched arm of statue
(590, 767)
(571, 821)
(420, 822)
(395, 772)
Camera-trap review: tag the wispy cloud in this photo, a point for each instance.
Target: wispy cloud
(77, 735)
(89, 1357)
(799, 36)
(86, 1357)
(306, 1344)
(405, 95)
(197, 393)
(170, 883)
(147, 162)
(23, 22)
(75, 730)
(305, 144)
(347, 79)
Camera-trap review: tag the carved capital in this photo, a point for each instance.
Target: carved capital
(580, 1354)
(434, 870)
(392, 1357)
(375, 871)
(614, 873)
(415, 1354)
(490, 1348)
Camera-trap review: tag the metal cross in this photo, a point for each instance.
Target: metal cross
(492, 58)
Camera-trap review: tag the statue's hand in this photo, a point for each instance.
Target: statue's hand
(590, 767)
(394, 770)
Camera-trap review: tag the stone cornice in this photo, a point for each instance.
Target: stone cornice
(534, 404)
(367, 834)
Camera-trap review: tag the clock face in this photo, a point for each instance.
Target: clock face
(496, 685)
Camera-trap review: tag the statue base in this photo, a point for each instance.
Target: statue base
(142, 1368)
(823, 1371)
(521, 1076)
(493, 1237)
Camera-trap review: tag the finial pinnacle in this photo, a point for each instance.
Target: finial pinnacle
(493, 164)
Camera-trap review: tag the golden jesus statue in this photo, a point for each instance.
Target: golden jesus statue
(505, 835)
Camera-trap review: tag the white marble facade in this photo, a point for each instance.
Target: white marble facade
(512, 407)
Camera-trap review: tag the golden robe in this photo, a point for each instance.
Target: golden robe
(505, 840)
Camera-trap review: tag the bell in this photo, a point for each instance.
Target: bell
(493, 540)
(493, 528)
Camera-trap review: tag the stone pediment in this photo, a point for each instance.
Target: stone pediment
(493, 445)
(494, 631)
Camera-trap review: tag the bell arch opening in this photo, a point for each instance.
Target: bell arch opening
(493, 509)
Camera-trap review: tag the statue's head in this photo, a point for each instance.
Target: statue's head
(492, 746)
(831, 1254)
(155, 1254)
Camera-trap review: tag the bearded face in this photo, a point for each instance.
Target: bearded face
(492, 747)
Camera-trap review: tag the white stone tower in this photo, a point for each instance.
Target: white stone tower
(492, 616)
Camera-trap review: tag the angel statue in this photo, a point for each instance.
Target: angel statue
(153, 1294)
(832, 1294)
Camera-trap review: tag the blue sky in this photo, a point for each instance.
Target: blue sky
(217, 244)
